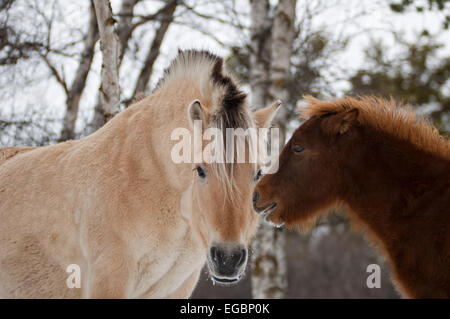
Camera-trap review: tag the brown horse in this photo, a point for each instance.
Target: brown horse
(388, 167)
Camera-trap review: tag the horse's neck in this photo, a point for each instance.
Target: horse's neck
(143, 133)
(389, 181)
(401, 194)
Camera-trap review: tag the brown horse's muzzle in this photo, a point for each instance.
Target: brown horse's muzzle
(227, 262)
(266, 209)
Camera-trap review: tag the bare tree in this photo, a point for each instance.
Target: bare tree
(270, 56)
(76, 89)
(125, 29)
(110, 46)
(125, 26)
(167, 15)
(54, 51)
(14, 45)
(17, 45)
(283, 33)
(125, 32)
(261, 25)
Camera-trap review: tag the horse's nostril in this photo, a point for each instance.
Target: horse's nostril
(213, 253)
(227, 260)
(243, 257)
(255, 197)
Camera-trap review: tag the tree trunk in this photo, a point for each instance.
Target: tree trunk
(261, 25)
(271, 50)
(79, 82)
(125, 32)
(110, 47)
(283, 33)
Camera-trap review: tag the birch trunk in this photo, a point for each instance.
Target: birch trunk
(110, 47)
(260, 29)
(271, 50)
(283, 33)
(79, 82)
(125, 32)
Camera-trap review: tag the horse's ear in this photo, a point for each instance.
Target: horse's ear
(341, 122)
(195, 112)
(265, 116)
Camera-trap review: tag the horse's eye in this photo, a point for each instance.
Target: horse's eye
(298, 149)
(258, 175)
(200, 172)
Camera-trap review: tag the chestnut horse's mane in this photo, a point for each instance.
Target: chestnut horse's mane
(386, 116)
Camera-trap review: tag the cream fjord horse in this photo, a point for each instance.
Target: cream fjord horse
(116, 205)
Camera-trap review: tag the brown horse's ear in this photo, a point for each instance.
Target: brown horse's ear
(195, 112)
(265, 116)
(341, 122)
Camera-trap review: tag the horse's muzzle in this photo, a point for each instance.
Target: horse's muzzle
(227, 262)
(267, 210)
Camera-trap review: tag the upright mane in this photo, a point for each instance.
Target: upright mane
(386, 116)
(206, 70)
(228, 109)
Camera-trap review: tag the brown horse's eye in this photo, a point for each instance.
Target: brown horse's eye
(298, 149)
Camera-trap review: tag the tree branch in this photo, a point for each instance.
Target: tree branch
(153, 53)
(125, 27)
(59, 78)
(79, 82)
(158, 15)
